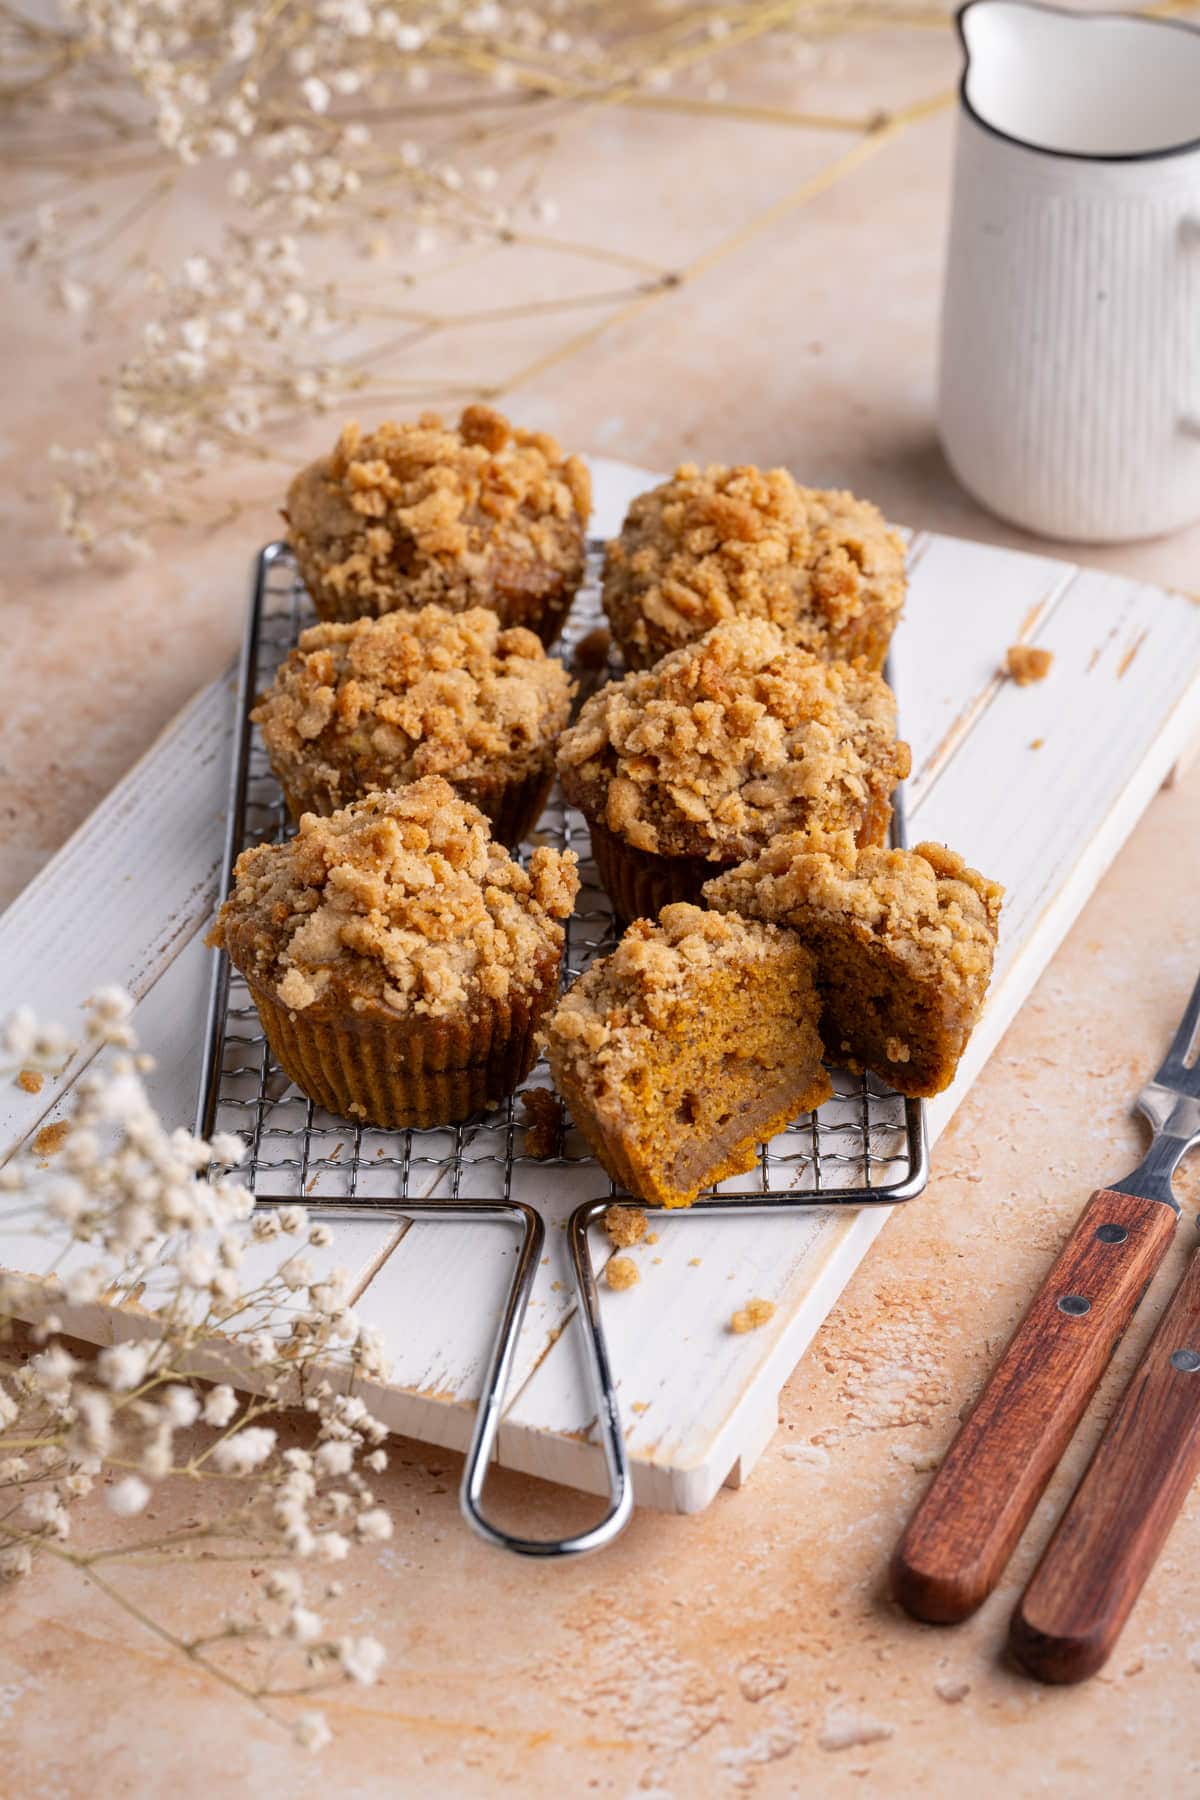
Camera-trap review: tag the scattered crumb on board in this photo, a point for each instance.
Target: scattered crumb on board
(31, 1080)
(752, 1315)
(758, 1679)
(543, 1114)
(950, 1690)
(693, 1262)
(51, 1138)
(1026, 663)
(1036, 743)
(622, 1272)
(848, 1731)
(652, 1237)
(625, 1225)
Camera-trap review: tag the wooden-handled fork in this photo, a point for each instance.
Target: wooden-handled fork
(1108, 1540)
(967, 1526)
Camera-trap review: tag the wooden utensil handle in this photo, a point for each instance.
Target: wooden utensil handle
(1107, 1541)
(965, 1529)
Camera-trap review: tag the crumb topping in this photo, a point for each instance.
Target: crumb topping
(625, 1226)
(384, 701)
(731, 740)
(751, 1316)
(935, 914)
(621, 1272)
(418, 512)
(718, 543)
(626, 998)
(402, 900)
(1026, 663)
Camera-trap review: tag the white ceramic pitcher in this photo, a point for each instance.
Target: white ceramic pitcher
(1070, 363)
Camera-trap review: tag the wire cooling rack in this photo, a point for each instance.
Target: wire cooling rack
(864, 1147)
(864, 1140)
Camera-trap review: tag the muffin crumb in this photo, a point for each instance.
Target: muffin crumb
(625, 1225)
(680, 1051)
(31, 1080)
(621, 1272)
(751, 1316)
(1024, 663)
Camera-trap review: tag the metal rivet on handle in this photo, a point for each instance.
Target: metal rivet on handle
(1111, 1234)
(1187, 1360)
(1074, 1304)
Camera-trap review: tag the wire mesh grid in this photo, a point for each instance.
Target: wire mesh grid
(866, 1140)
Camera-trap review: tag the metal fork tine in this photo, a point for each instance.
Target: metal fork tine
(1175, 1071)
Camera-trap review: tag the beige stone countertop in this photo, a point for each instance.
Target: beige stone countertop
(751, 1648)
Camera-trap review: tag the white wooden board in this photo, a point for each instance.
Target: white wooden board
(1121, 705)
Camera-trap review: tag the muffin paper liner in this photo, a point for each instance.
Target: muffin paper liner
(513, 804)
(398, 1071)
(640, 883)
(867, 636)
(546, 614)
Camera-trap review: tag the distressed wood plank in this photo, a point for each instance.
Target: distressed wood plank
(1120, 706)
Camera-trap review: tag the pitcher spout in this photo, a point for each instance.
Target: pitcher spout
(1105, 86)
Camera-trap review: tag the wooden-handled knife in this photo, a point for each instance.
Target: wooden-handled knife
(967, 1526)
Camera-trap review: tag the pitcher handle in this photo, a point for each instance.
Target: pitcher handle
(1189, 237)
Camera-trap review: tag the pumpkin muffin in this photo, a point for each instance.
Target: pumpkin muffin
(478, 514)
(722, 543)
(400, 961)
(699, 762)
(691, 1044)
(382, 702)
(903, 943)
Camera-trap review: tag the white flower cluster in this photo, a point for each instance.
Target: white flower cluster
(134, 1210)
(316, 114)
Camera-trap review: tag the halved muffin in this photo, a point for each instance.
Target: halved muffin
(481, 514)
(699, 762)
(358, 708)
(692, 1043)
(400, 960)
(902, 940)
(720, 543)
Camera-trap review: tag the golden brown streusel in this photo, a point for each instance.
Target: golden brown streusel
(751, 1316)
(625, 1225)
(481, 514)
(695, 1039)
(903, 942)
(732, 740)
(621, 1272)
(401, 899)
(381, 702)
(30, 1080)
(720, 543)
(542, 1119)
(1025, 663)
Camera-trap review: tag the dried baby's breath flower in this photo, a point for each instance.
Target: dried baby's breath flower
(310, 113)
(134, 1204)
